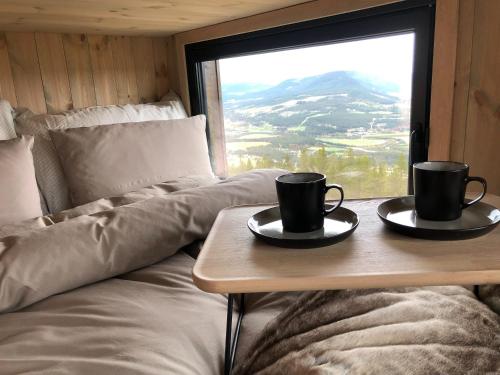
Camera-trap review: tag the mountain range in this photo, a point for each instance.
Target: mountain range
(336, 101)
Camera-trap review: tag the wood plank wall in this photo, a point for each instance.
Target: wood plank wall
(49, 73)
(476, 110)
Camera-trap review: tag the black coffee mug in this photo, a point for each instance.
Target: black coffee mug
(439, 188)
(301, 199)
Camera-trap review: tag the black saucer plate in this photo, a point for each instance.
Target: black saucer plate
(399, 215)
(266, 225)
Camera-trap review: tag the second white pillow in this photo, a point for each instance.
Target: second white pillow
(103, 161)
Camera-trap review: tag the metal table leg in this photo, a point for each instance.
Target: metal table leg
(232, 340)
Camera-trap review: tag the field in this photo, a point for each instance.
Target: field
(354, 142)
(244, 146)
(373, 164)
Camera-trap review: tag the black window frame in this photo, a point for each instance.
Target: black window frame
(417, 16)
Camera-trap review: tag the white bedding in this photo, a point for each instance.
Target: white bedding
(63, 313)
(151, 321)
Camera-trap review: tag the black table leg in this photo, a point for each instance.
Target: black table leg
(476, 291)
(232, 341)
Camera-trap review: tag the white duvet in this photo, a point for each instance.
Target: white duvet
(104, 289)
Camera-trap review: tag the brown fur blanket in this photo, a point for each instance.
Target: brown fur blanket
(490, 295)
(432, 330)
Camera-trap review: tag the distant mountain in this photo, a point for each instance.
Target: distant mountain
(236, 90)
(377, 83)
(331, 83)
(334, 101)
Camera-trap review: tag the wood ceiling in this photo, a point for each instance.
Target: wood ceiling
(127, 17)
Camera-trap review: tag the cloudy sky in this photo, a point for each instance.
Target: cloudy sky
(388, 58)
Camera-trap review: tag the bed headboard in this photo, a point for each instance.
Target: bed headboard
(49, 72)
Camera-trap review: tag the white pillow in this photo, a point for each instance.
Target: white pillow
(6, 121)
(48, 169)
(7, 132)
(19, 198)
(105, 161)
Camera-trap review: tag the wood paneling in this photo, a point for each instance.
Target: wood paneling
(7, 90)
(54, 72)
(127, 17)
(26, 71)
(49, 72)
(462, 78)
(142, 50)
(482, 133)
(443, 73)
(101, 58)
(476, 113)
(76, 49)
(124, 68)
(161, 66)
(173, 72)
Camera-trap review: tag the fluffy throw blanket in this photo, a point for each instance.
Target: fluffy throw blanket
(490, 295)
(432, 330)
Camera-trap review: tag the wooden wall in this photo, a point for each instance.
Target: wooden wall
(50, 72)
(476, 111)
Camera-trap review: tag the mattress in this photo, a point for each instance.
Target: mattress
(151, 321)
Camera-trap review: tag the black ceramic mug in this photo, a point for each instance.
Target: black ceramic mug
(439, 188)
(301, 198)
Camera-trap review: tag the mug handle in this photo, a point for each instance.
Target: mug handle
(327, 211)
(483, 182)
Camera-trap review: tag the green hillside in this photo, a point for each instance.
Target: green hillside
(320, 123)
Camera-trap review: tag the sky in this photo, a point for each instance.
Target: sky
(389, 58)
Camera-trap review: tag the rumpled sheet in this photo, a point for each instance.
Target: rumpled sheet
(148, 322)
(103, 289)
(414, 331)
(39, 263)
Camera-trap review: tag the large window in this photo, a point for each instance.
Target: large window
(340, 109)
(346, 96)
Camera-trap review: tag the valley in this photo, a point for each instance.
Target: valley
(345, 125)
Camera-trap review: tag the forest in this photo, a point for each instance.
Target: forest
(361, 176)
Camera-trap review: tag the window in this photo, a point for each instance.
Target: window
(346, 96)
(340, 109)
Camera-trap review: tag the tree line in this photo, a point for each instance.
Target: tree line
(361, 176)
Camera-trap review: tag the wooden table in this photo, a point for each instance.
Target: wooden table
(233, 261)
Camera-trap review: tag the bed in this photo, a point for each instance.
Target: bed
(145, 316)
(149, 318)
(95, 269)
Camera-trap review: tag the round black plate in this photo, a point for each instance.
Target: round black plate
(267, 226)
(399, 214)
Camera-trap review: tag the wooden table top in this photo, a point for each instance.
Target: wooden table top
(234, 261)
